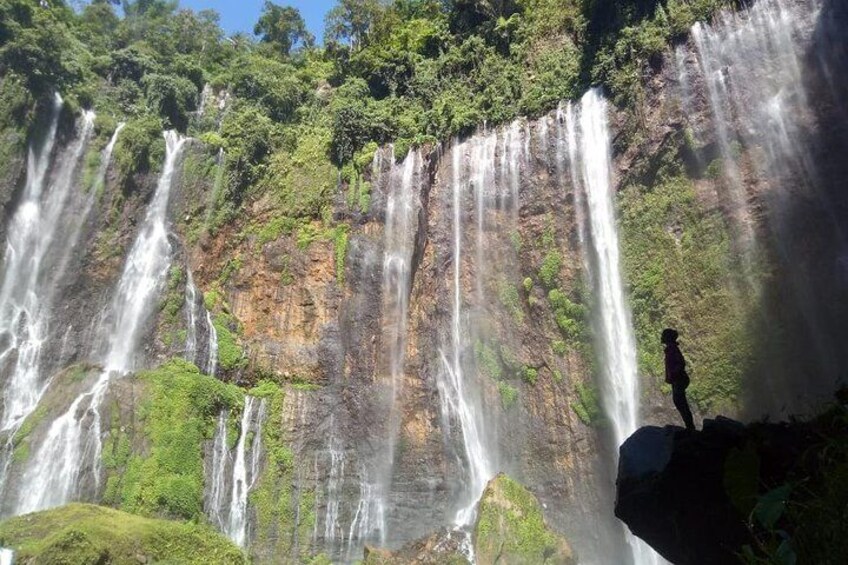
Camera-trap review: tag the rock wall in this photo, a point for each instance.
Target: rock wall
(378, 454)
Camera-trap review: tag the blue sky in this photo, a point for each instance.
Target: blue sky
(241, 15)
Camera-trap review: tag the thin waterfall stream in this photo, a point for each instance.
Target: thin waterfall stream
(234, 473)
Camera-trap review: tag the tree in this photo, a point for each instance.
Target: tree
(282, 26)
(352, 20)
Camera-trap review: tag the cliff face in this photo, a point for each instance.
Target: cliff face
(442, 321)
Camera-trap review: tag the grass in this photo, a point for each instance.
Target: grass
(81, 534)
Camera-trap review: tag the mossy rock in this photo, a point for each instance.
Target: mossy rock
(83, 534)
(511, 530)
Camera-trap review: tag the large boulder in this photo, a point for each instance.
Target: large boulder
(708, 497)
(511, 529)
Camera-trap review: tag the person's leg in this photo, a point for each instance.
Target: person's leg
(682, 405)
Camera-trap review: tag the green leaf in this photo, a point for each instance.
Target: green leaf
(771, 506)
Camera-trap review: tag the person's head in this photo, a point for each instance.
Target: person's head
(668, 336)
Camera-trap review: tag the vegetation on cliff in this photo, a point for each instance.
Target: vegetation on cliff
(81, 534)
(677, 253)
(408, 71)
(163, 475)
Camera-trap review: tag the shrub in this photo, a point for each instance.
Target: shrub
(549, 271)
(530, 375)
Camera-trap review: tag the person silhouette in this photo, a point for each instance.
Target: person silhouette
(676, 376)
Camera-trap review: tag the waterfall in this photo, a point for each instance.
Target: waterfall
(239, 471)
(192, 315)
(334, 486)
(28, 282)
(37, 241)
(7, 556)
(198, 322)
(145, 268)
(591, 166)
(216, 501)
(754, 66)
(211, 346)
(244, 476)
(456, 402)
(402, 207)
(621, 385)
(73, 440)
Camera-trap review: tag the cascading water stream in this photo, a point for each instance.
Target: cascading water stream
(73, 439)
(335, 481)
(234, 474)
(402, 208)
(198, 322)
(192, 315)
(590, 151)
(42, 236)
(244, 475)
(216, 501)
(28, 283)
(456, 400)
(211, 346)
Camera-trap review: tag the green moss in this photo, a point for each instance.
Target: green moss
(29, 424)
(308, 233)
(488, 360)
(511, 300)
(339, 237)
(139, 148)
(569, 316)
(82, 534)
(515, 240)
(232, 267)
(586, 406)
(231, 356)
(364, 197)
(530, 375)
(174, 298)
(274, 229)
(509, 394)
(678, 261)
(558, 346)
(510, 527)
(301, 181)
(528, 285)
(178, 414)
(212, 299)
(549, 271)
